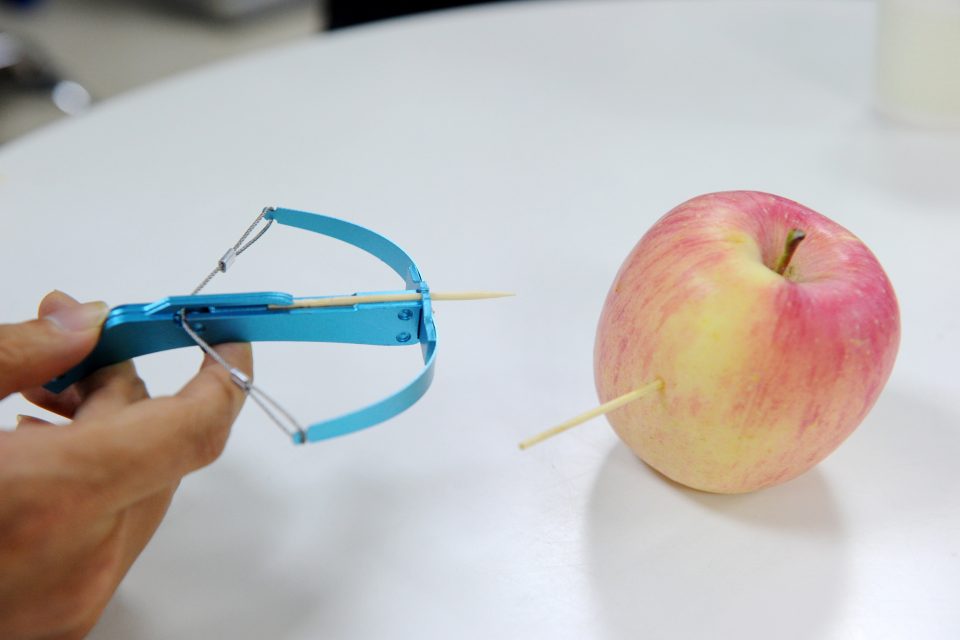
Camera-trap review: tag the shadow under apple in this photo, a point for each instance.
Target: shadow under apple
(671, 562)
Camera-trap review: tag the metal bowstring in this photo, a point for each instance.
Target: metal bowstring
(287, 423)
(291, 427)
(227, 259)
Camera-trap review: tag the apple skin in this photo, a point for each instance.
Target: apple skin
(763, 375)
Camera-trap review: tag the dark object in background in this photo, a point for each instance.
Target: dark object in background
(24, 67)
(346, 13)
(226, 10)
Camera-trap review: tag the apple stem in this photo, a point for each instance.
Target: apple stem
(793, 241)
(606, 407)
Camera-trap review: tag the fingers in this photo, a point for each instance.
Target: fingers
(106, 391)
(31, 422)
(103, 391)
(64, 403)
(55, 301)
(213, 379)
(33, 352)
(150, 445)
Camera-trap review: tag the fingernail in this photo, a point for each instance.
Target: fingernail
(62, 294)
(82, 317)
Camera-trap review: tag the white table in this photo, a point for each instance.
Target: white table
(521, 147)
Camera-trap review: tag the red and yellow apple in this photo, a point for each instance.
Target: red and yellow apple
(771, 350)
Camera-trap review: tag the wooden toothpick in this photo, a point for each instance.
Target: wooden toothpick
(606, 407)
(349, 301)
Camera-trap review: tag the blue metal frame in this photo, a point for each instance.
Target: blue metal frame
(138, 329)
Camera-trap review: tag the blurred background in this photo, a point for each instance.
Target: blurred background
(58, 57)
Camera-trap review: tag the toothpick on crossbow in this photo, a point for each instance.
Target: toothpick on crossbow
(347, 301)
(605, 408)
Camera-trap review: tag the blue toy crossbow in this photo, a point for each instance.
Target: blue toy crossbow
(395, 318)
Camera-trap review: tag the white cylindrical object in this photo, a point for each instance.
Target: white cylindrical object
(918, 61)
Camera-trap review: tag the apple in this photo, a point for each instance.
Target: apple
(770, 328)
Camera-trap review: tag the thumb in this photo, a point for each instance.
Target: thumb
(32, 353)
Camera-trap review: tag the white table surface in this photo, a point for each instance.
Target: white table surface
(523, 147)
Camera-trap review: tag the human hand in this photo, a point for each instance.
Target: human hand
(78, 503)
